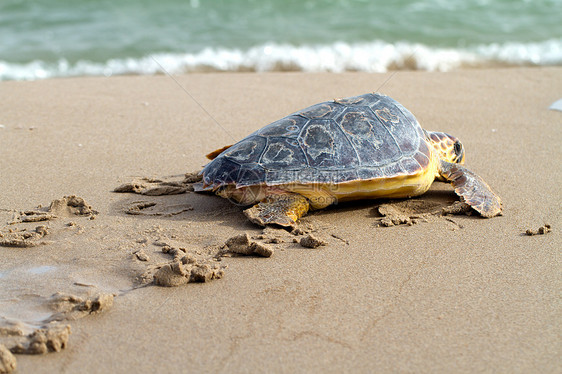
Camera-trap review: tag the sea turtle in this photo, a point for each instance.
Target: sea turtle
(360, 147)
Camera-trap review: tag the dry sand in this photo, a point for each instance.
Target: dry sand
(453, 293)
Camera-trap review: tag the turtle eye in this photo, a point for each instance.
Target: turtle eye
(458, 148)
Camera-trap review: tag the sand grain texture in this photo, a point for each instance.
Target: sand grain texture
(453, 294)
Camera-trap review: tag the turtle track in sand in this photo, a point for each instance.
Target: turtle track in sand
(161, 256)
(41, 226)
(412, 211)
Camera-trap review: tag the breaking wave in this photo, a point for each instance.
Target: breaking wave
(375, 56)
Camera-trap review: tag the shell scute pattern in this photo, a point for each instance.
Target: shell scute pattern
(370, 173)
(250, 175)
(409, 135)
(411, 165)
(248, 150)
(363, 137)
(289, 126)
(373, 143)
(318, 139)
(354, 100)
(282, 153)
(421, 155)
(307, 174)
(326, 146)
(224, 172)
(322, 110)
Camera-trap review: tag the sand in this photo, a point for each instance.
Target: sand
(416, 286)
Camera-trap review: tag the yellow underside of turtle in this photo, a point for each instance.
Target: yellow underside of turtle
(321, 195)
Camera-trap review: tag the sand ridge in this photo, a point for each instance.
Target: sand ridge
(66, 207)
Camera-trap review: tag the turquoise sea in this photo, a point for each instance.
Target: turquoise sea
(57, 38)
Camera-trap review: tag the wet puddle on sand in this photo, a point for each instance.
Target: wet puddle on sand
(23, 293)
(41, 269)
(22, 302)
(29, 294)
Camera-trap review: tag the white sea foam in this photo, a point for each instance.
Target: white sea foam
(376, 56)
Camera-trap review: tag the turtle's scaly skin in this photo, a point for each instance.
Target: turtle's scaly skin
(366, 146)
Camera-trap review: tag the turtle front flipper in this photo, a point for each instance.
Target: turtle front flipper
(472, 189)
(282, 209)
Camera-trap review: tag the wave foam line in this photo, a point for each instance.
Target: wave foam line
(376, 56)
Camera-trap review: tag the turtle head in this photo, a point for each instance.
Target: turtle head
(448, 147)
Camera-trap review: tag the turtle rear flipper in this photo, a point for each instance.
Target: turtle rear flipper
(282, 209)
(472, 188)
(215, 153)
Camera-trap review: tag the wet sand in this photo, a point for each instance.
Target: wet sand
(429, 293)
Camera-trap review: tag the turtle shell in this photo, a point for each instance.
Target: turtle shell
(357, 138)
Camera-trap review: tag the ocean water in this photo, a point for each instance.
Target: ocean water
(58, 38)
